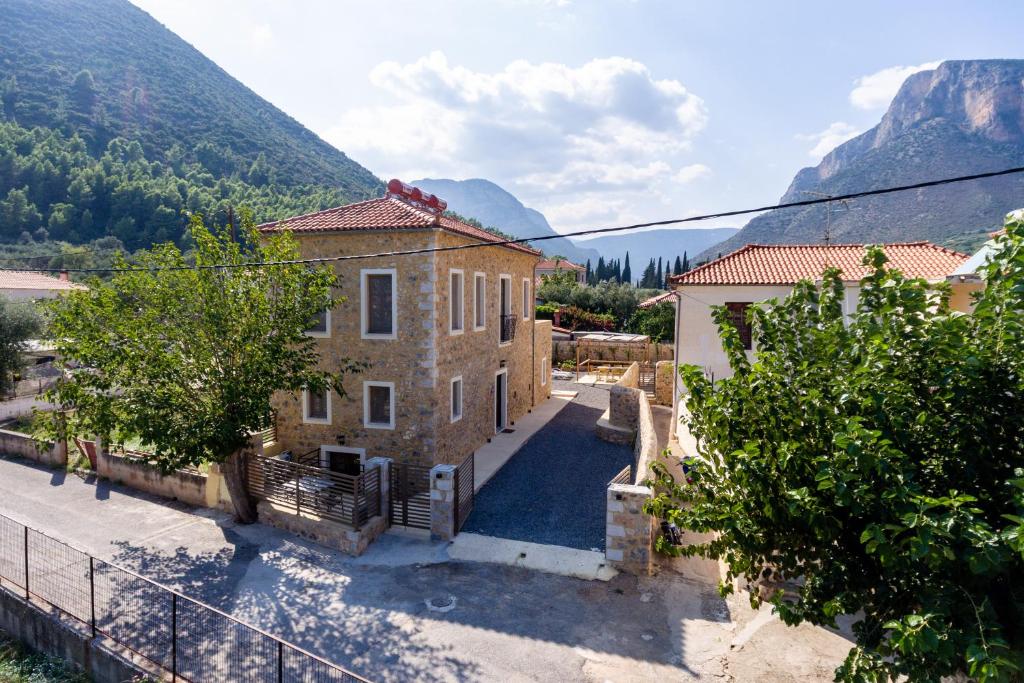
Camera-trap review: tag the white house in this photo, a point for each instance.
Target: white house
(22, 285)
(759, 272)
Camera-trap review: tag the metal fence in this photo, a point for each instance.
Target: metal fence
(317, 492)
(465, 493)
(191, 641)
(410, 496)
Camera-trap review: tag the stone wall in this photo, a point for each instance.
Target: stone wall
(645, 448)
(16, 443)
(324, 531)
(566, 350)
(16, 407)
(442, 503)
(43, 632)
(664, 373)
(629, 531)
(619, 423)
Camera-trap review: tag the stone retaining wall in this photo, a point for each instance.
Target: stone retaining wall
(324, 531)
(622, 400)
(645, 448)
(16, 443)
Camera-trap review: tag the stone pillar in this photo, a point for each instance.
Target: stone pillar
(385, 482)
(442, 502)
(629, 531)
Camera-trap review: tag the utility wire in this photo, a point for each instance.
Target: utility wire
(521, 240)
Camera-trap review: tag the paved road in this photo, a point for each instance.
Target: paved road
(553, 490)
(370, 613)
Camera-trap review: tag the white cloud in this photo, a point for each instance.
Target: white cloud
(830, 138)
(548, 127)
(687, 174)
(260, 35)
(876, 90)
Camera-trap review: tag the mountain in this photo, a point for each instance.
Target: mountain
(106, 111)
(961, 118)
(495, 207)
(662, 243)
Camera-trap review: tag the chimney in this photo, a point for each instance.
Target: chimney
(63, 275)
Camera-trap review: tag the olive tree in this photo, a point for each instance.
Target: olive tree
(872, 465)
(186, 357)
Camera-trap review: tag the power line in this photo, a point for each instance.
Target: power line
(522, 240)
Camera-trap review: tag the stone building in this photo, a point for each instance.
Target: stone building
(557, 266)
(453, 352)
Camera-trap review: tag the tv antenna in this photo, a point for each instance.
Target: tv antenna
(828, 212)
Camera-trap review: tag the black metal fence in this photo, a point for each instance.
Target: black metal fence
(317, 492)
(410, 496)
(508, 327)
(465, 493)
(189, 640)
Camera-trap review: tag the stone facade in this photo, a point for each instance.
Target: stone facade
(425, 355)
(629, 531)
(619, 423)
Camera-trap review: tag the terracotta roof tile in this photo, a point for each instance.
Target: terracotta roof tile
(24, 279)
(655, 300)
(784, 264)
(385, 213)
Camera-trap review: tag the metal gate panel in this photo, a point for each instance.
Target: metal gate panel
(465, 476)
(410, 496)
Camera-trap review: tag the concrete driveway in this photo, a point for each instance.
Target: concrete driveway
(371, 613)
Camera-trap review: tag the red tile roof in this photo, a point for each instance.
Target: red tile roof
(24, 279)
(386, 213)
(655, 300)
(559, 264)
(785, 264)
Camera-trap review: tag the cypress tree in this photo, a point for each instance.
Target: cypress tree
(618, 270)
(647, 281)
(627, 276)
(590, 274)
(659, 279)
(686, 264)
(601, 274)
(677, 269)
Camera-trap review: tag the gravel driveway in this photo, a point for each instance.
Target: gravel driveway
(553, 490)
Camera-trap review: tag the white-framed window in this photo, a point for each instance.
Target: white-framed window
(545, 371)
(456, 301)
(379, 405)
(456, 398)
(526, 299)
(320, 325)
(316, 407)
(378, 308)
(479, 301)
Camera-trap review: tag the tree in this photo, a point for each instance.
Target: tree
(590, 274)
(686, 264)
(18, 214)
(657, 322)
(659, 279)
(647, 280)
(618, 270)
(83, 92)
(601, 274)
(19, 322)
(627, 274)
(677, 269)
(187, 360)
(873, 466)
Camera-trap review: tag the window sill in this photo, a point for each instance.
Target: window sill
(378, 425)
(381, 337)
(455, 333)
(315, 421)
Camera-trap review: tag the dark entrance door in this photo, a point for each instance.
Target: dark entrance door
(343, 463)
(500, 401)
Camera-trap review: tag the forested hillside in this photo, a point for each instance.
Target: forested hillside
(112, 125)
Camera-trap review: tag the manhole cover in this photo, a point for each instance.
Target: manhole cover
(442, 604)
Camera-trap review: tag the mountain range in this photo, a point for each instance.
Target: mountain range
(960, 118)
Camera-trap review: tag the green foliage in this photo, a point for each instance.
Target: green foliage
(874, 467)
(575, 318)
(48, 179)
(106, 70)
(546, 311)
(620, 301)
(18, 665)
(657, 322)
(19, 322)
(187, 360)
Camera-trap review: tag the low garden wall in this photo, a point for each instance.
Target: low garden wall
(23, 445)
(187, 486)
(618, 424)
(664, 374)
(16, 407)
(645, 448)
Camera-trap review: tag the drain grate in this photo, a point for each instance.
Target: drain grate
(441, 604)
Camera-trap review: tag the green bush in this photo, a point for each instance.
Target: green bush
(873, 466)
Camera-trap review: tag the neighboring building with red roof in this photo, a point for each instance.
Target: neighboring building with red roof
(19, 285)
(453, 352)
(555, 266)
(758, 272)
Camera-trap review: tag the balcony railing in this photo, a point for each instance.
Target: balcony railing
(508, 327)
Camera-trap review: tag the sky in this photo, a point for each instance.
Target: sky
(594, 112)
